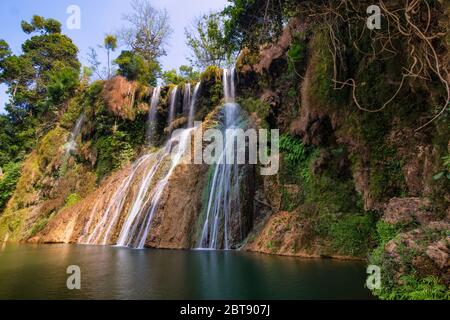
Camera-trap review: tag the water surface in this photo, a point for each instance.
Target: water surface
(39, 272)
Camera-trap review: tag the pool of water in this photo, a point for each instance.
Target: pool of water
(39, 272)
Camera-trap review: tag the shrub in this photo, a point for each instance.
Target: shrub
(8, 182)
(351, 234)
(412, 288)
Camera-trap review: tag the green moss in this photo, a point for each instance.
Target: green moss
(322, 85)
(297, 53)
(50, 146)
(38, 226)
(72, 199)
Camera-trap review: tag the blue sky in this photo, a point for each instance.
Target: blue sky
(99, 17)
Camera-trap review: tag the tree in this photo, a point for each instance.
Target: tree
(185, 74)
(110, 44)
(135, 68)
(207, 42)
(39, 81)
(148, 32)
(42, 25)
(250, 23)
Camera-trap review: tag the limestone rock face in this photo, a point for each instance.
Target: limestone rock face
(425, 239)
(174, 225)
(407, 210)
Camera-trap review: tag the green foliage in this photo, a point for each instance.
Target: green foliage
(114, 151)
(135, 68)
(207, 42)
(8, 181)
(249, 23)
(297, 53)
(293, 148)
(261, 108)
(386, 232)
(445, 172)
(351, 234)
(412, 288)
(62, 85)
(110, 42)
(38, 226)
(41, 25)
(39, 80)
(72, 199)
(185, 74)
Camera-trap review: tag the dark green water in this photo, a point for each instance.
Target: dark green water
(39, 272)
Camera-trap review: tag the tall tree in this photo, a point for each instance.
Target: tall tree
(110, 44)
(28, 75)
(206, 39)
(148, 30)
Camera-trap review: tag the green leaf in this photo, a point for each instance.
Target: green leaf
(438, 175)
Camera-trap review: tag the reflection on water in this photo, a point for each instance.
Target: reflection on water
(39, 272)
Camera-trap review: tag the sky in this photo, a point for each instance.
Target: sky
(99, 17)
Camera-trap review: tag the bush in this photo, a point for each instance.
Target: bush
(352, 234)
(113, 152)
(293, 149)
(8, 182)
(72, 199)
(412, 288)
(62, 85)
(135, 68)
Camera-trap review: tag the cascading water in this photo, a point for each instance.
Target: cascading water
(223, 200)
(192, 109)
(71, 145)
(172, 105)
(151, 125)
(151, 174)
(137, 225)
(186, 98)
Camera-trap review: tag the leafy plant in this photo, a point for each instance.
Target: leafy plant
(8, 181)
(445, 172)
(412, 288)
(294, 150)
(351, 234)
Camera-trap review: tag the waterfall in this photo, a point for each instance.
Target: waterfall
(151, 125)
(110, 216)
(172, 106)
(192, 110)
(223, 200)
(71, 145)
(138, 205)
(136, 226)
(186, 98)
